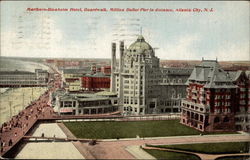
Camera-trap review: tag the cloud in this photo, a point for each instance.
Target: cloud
(54, 42)
(182, 48)
(41, 43)
(96, 43)
(232, 52)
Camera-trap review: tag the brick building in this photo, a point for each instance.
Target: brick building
(106, 70)
(211, 101)
(95, 82)
(242, 117)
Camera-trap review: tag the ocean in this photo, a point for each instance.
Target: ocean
(11, 64)
(13, 100)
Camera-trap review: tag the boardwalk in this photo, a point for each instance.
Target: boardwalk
(11, 132)
(14, 100)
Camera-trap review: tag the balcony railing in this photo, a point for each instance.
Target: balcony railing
(195, 106)
(194, 91)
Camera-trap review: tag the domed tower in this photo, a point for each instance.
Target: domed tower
(141, 51)
(136, 76)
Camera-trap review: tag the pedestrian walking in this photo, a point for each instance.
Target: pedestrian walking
(10, 142)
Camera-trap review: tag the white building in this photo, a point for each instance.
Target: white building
(16, 78)
(143, 87)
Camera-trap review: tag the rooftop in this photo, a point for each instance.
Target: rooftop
(98, 74)
(176, 71)
(82, 97)
(139, 46)
(16, 72)
(210, 72)
(76, 71)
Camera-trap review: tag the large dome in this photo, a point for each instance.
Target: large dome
(140, 45)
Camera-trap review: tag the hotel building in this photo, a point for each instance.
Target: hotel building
(216, 100)
(143, 87)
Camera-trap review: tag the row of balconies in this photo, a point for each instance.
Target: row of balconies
(193, 116)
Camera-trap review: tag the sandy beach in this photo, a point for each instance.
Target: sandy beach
(14, 100)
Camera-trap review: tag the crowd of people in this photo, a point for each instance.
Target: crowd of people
(13, 130)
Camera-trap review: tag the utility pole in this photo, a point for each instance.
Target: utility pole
(23, 100)
(10, 108)
(32, 93)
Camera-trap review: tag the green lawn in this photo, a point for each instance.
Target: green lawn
(111, 129)
(171, 155)
(212, 148)
(234, 158)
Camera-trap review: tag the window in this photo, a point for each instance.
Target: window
(201, 118)
(226, 119)
(168, 103)
(126, 86)
(217, 110)
(216, 119)
(168, 110)
(175, 110)
(141, 110)
(135, 101)
(152, 105)
(141, 101)
(179, 95)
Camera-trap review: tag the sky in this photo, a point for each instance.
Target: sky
(222, 33)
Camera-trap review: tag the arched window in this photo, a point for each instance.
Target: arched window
(216, 119)
(196, 116)
(173, 93)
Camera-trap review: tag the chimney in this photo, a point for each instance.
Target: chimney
(121, 55)
(113, 66)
